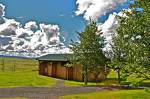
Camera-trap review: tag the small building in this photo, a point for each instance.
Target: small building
(54, 65)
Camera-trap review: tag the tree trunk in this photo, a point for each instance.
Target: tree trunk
(96, 77)
(86, 76)
(119, 76)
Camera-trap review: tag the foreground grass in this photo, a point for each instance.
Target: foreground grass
(121, 94)
(22, 73)
(23, 79)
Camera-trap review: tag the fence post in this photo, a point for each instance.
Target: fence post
(3, 64)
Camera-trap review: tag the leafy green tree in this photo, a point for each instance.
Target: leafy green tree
(88, 51)
(118, 58)
(133, 38)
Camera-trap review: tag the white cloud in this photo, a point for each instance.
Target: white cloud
(2, 12)
(95, 8)
(31, 25)
(30, 38)
(9, 27)
(51, 32)
(108, 30)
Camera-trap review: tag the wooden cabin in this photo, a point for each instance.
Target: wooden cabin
(54, 65)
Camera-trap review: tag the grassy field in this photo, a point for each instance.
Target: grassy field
(121, 94)
(13, 64)
(24, 73)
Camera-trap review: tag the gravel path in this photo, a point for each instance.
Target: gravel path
(46, 93)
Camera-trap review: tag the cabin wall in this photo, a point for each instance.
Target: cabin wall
(49, 67)
(58, 70)
(77, 73)
(61, 71)
(42, 68)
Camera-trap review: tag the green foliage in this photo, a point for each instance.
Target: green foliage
(132, 42)
(88, 51)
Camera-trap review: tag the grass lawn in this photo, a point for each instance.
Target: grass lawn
(22, 79)
(24, 74)
(120, 94)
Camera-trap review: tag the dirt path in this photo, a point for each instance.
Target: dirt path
(46, 93)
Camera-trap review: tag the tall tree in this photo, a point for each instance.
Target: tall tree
(88, 51)
(133, 36)
(118, 58)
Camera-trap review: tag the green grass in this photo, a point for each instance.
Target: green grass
(23, 79)
(76, 83)
(25, 74)
(13, 64)
(120, 94)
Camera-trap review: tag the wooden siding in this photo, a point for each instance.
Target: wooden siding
(61, 71)
(49, 67)
(42, 67)
(58, 70)
(77, 73)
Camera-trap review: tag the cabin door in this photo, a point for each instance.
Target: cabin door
(54, 69)
(70, 73)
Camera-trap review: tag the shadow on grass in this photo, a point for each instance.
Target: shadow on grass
(111, 84)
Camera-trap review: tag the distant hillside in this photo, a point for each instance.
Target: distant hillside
(20, 57)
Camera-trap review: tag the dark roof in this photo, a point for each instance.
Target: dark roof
(54, 57)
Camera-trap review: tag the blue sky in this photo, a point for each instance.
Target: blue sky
(61, 12)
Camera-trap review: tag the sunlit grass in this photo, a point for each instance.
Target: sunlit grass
(120, 94)
(25, 74)
(22, 79)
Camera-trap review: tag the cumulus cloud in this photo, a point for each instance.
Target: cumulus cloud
(30, 38)
(95, 8)
(9, 27)
(2, 12)
(31, 25)
(108, 29)
(2, 7)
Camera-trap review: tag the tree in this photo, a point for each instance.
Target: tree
(88, 51)
(118, 58)
(133, 38)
